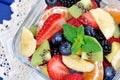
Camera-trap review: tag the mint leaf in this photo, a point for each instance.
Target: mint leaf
(80, 31)
(91, 45)
(78, 40)
(70, 32)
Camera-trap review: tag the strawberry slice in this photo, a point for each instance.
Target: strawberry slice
(74, 76)
(87, 19)
(74, 22)
(56, 69)
(50, 27)
(94, 4)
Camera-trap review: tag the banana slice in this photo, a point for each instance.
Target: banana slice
(105, 22)
(115, 48)
(61, 10)
(116, 60)
(76, 63)
(28, 43)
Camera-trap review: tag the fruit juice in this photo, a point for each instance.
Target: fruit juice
(74, 40)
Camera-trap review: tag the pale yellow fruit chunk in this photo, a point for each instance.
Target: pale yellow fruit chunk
(115, 48)
(28, 43)
(76, 63)
(105, 22)
(116, 60)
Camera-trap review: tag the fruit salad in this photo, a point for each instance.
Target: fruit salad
(74, 40)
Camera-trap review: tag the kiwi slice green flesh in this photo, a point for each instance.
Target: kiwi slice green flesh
(42, 54)
(117, 32)
(80, 7)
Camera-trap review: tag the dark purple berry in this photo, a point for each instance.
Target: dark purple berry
(89, 30)
(109, 73)
(67, 3)
(58, 38)
(98, 2)
(51, 2)
(65, 48)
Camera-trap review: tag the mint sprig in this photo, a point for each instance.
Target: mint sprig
(80, 40)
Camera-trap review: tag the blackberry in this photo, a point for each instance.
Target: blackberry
(99, 36)
(67, 3)
(106, 47)
(98, 2)
(103, 42)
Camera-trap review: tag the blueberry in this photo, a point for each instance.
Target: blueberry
(65, 48)
(109, 73)
(51, 2)
(57, 38)
(89, 30)
(1, 78)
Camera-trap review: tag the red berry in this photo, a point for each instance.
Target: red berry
(74, 76)
(94, 4)
(113, 39)
(56, 69)
(87, 19)
(74, 22)
(50, 27)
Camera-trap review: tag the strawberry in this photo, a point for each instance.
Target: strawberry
(87, 19)
(50, 27)
(113, 39)
(94, 4)
(74, 22)
(56, 69)
(74, 76)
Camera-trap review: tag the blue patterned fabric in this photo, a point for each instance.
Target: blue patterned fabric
(5, 11)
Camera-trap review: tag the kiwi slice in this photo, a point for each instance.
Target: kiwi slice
(42, 54)
(80, 7)
(117, 31)
(34, 30)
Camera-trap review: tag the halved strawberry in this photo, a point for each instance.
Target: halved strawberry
(56, 69)
(87, 19)
(74, 76)
(94, 4)
(50, 27)
(74, 22)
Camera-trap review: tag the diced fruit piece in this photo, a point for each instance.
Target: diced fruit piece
(89, 30)
(116, 60)
(105, 22)
(58, 38)
(98, 2)
(67, 3)
(87, 19)
(76, 63)
(28, 43)
(113, 39)
(109, 73)
(65, 48)
(51, 2)
(51, 26)
(42, 54)
(74, 22)
(115, 48)
(43, 69)
(56, 69)
(117, 32)
(114, 10)
(74, 76)
(80, 7)
(95, 4)
(34, 30)
(96, 74)
(60, 10)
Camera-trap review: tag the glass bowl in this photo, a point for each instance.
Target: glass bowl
(31, 20)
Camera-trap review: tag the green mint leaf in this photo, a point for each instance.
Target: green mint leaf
(91, 45)
(70, 32)
(80, 31)
(78, 41)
